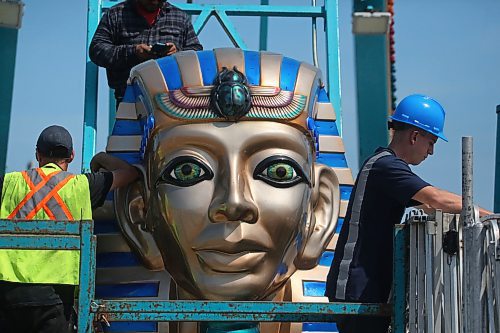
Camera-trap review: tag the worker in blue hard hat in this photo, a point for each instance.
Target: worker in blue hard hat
(362, 267)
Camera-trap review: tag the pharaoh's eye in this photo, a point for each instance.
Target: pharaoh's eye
(185, 171)
(280, 171)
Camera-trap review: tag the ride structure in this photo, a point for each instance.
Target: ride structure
(133, 125)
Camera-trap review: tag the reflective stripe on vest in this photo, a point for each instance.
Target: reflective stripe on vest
(352, 238)
(43, 195)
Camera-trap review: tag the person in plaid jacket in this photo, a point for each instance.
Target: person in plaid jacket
(128, 31)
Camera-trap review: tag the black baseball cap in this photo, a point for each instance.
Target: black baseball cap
(55, 141)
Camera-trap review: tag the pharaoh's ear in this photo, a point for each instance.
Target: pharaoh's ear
(130, 207)
(323, 217)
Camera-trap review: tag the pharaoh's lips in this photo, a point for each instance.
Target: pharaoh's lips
(224, 262)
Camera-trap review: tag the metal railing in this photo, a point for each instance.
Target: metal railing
(77, 235)
(59, 235)
(454, 274)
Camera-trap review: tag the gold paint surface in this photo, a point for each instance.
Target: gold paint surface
(333, 243)
(270, 64)
(343, 207)
(306, 78)
(150, 75)
(325, 111)
(229, 58)
(126, 111)
(344, 175)
(124, 143)
(231, 235)
(331, 144)
(189, 67)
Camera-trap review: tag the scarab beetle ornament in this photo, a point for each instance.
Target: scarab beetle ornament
(230, 97)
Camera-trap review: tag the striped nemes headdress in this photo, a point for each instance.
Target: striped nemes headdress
(178, 90)
(225, 85)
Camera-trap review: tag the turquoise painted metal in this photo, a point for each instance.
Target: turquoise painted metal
(91, 84)
(66, 235)
(7, 67)
(329, 12)
(497, 166)
(234, 311)
(264, 26)
(400, 270)
(373, 85)
(62, 234)
(333, 57)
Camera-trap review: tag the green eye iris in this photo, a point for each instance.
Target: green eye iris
(280, 172)
(187, 171)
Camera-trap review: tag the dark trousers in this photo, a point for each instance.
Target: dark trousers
(362, 324)
(56, 318)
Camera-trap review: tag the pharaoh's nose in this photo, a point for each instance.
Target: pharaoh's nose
(233, 202)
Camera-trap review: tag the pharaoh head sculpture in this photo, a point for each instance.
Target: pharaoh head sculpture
(232, 200)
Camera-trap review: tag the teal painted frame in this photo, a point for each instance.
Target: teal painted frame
(59, 235)
(78, 235)
(496, 198)
(8, 36)
(329, 12)
(91, 86)
(400, 277)
(372, 85)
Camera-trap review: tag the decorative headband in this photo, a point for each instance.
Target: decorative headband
(231, 99)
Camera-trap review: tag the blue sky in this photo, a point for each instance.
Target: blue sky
(448, 49)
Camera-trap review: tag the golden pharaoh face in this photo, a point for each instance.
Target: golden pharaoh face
(234, 204)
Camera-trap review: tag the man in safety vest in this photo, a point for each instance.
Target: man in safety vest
(37, 286)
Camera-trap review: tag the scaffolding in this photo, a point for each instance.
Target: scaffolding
(328, 12)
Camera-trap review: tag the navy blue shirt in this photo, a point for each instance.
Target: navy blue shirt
(362, 265)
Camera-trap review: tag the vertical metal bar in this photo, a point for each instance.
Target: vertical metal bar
(112, 111)
(497, 165)
(333, 58)
(489, 261)
(8, 51)
(496, 273)
(399, 279)
(467, 171)
(87, 277)
(429, 276)
(314, 38)
(473, 278)
(455, 279)
(91, 84)
(264, 27)
(460, 271)
(421, 277)
(372, 63)
(473, 247)
(450, 296)
(437, 289)
(412, 297)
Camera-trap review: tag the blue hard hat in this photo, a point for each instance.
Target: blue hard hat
(423, 112)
